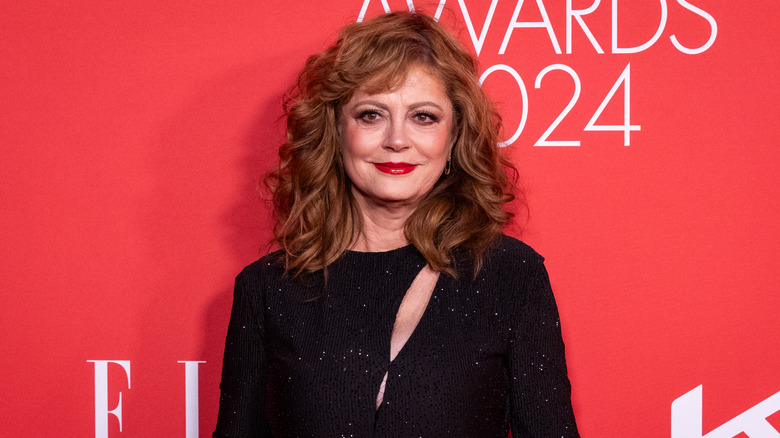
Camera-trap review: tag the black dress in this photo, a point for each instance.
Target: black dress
(306, 360)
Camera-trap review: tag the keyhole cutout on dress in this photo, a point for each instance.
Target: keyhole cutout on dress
(409, 314)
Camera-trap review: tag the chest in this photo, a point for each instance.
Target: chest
(352, 325)
(328, 354)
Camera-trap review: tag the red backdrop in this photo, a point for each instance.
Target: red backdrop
(133, 136)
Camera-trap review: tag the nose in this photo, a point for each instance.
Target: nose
(396, 136)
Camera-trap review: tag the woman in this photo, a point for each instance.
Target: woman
(396, 307)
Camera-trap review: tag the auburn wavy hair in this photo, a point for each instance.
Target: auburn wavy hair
(317, 218)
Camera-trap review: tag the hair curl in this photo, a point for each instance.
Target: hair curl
(317, 218)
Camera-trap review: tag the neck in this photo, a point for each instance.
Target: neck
(382, 227)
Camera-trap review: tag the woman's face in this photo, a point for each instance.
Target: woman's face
(395, 144)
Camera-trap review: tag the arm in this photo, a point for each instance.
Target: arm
(242, 399)
(540, 392)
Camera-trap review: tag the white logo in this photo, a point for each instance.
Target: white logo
(687, 418)
(101, 396)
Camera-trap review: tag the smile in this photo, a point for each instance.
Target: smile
(395, 168)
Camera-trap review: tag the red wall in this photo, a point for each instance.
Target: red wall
(133, 136)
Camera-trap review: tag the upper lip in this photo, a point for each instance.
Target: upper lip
(394, 165)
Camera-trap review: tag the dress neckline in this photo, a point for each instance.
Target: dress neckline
(399, 250)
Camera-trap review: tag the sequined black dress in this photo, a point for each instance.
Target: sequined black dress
(303, 362)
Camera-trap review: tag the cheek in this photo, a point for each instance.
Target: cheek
(354, 152)
(347, 144)
(439, 145)
(356, 142)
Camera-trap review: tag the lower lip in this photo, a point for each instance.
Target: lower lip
(403, 170)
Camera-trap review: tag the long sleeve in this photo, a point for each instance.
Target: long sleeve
(540, 392)
(241, 403)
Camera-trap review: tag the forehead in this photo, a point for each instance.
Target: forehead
(417, 82)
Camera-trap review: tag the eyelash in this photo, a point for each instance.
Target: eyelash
(429, 117)
(363, 114)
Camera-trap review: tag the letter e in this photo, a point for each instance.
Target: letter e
(101, 396)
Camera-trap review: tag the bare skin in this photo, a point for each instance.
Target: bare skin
(411, 124)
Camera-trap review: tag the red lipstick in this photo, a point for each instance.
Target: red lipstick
(395, 168)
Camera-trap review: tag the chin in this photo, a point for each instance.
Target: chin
(398, 199)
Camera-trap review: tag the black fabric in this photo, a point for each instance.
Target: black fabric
(306, 360)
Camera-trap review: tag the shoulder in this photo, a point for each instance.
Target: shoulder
(270, 266)
(507, 249)
(266, 278)
(505, 255)
(514, 269)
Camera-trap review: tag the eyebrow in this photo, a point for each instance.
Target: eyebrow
(384, 107)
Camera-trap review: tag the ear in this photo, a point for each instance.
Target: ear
(453, 141)
(456, 128)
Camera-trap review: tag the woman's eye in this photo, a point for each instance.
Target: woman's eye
(369, 116)
(425, 118)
